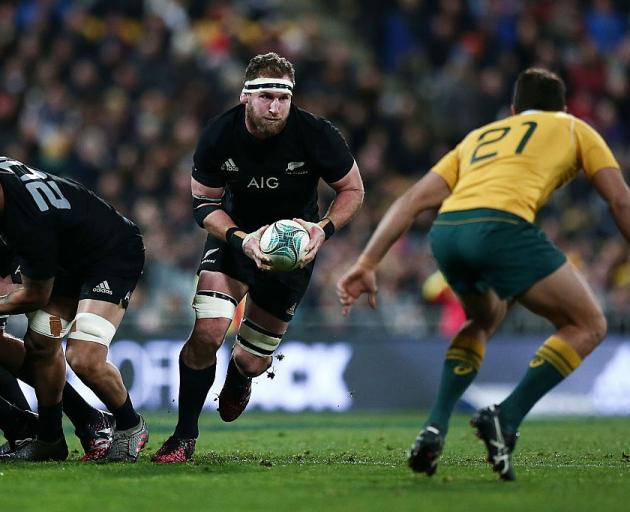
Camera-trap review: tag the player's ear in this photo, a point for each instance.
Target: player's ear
(243, 98)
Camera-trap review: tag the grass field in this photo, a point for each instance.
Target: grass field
(330, 462)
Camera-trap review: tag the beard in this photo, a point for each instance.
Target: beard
(264, 127)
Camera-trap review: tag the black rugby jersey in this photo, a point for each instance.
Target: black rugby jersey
(274, 178)
(6, 259)
(52, 222)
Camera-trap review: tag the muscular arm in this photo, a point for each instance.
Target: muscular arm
(614, 190)
(348, 199)
(29, 296)
(217, 222)
(427, 193)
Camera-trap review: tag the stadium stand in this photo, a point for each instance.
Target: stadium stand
(114, 94)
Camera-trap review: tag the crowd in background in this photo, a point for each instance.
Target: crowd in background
(114, 94)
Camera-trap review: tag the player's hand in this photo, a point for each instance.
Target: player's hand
(358, 280)
(251, 248)
(317, 237)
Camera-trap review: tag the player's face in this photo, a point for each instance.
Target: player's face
(266, 113)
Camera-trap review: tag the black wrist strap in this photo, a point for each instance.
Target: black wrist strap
(233, 240)
(329, 228)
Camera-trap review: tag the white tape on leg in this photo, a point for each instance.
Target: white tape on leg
(94, 328)
(256, 340)
(210, 304)
(48, 325)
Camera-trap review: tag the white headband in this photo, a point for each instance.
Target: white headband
(264, 84)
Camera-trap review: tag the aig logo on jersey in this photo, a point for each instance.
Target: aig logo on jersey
(263, 183)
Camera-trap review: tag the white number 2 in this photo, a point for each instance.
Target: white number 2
(51, 192)
(44, 193)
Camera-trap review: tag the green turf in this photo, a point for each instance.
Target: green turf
(345, 462)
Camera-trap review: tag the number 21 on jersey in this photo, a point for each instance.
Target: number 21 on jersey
(484, 150)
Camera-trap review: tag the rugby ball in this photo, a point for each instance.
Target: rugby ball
(285, 243)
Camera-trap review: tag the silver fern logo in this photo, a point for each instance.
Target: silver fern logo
(296, 168)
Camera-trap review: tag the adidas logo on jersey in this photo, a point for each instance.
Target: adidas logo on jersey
(103, 288)
(229, 166)
(291, 310)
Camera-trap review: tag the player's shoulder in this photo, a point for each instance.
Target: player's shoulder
(580, 124)
(572, 124)
(310, 121)
(536, 116)
(11, 169)
(556, 116)
(221, 126)
(315, 130)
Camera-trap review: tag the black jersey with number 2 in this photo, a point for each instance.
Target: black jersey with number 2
(52, 222)
(273, 178)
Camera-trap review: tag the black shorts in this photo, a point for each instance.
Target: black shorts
(112, 278)
(278, 293)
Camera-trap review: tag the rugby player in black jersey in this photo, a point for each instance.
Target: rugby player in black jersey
(79, 261)
(19, 424)
(259, 162)
(93, 427)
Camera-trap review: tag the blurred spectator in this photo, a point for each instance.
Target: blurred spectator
(436, 290)
(114, 94)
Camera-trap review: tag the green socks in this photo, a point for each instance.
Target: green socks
(553, 362)
(463, 360)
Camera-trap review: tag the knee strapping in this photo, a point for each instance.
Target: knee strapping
(209, 304)
(94, 328)
(469, 350)
(256, 340)
(48, 325)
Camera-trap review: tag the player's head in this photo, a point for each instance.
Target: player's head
(538, 89)
(267, 92)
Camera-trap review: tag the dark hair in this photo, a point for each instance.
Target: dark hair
(539, 89)
(270, 65)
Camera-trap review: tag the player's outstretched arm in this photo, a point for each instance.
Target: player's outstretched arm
(427, 193)
(614, 190)
(355, 282)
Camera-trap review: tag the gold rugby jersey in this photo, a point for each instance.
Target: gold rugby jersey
(516, 163)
